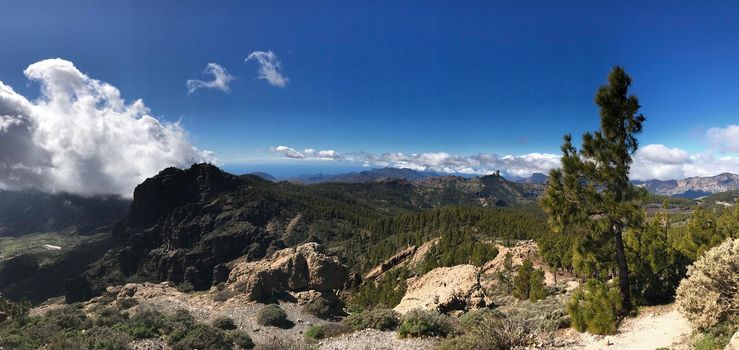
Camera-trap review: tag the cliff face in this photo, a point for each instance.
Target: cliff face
(719, 183)
(182, 224)
(693, 186)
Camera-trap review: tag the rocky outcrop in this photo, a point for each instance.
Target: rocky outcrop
(692, 186)
(390, 263)
(444, 289)
(301, 268)
(181, 225)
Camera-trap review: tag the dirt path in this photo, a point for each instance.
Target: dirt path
(655, 327)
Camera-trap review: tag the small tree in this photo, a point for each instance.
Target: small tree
(522, 281)
(504, 275)
(536, 286)
(592, 192)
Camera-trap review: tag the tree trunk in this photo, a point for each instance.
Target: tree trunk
(623, 271)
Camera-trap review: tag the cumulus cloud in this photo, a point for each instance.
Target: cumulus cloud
(724, 139)
(482, 163)
(654, 161)
(270, 68)
(308, 153)
(660, 162)
(81, 136)
(220, 81)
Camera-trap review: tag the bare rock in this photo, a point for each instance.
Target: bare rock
(390, 262)
(444, 289)
(293, 269)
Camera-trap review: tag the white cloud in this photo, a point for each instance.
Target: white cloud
(81, 136)
(220, 81)
(308, 153)
(654, 161)
(726, 139)
(270, 68)
(483, 163)
(657, 161)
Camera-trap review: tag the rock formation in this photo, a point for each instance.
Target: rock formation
(444, 289)
(302, 268)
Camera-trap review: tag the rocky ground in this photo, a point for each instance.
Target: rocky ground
(370, 339)
(654, 327)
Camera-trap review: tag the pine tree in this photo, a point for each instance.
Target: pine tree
(592, 190)
(522, 281)
(536, 289)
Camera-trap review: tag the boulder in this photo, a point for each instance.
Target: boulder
(299, 268)
(444, 289)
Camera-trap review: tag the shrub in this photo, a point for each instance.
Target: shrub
(472, 318)
(224, 322)
(105, 338)
(424, 323)
(492, 332)
(221, 296)
(595, 308)
(377, 318)
(322, 308)
(70, 317)
(200, 336)
(315, 332)
(146, 324)
(714, 338)
(240, 339)
(109, 317)
(273, 315)
(180, 317)
(708, 295)
(334, 329)
(62, 341)
(282, 343)
(127, 303)
(185, 287)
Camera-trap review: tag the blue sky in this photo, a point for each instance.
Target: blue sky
(460, 78)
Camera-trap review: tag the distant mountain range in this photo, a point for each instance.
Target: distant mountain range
(692, 187)
(366, 176)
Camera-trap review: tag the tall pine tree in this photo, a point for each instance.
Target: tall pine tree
(591, 191)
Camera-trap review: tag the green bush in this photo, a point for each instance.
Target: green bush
(315, 332)
(322, 308)
(109, 317)
(425, 323)
(708, 296)
(273, 315)
(185, 287)
(70, 317)
(377, 318)
(492, 332)
(715, 337)
(595, 308)
(105, 338)
(146, 324)
(224, 322)
(240, 339)
(127, 303)
(200, 336)
(472, 318)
